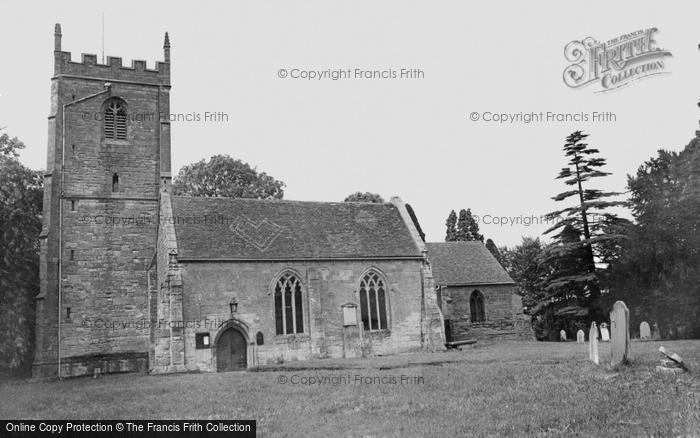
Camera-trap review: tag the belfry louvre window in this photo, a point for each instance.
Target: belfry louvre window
(289, 317)
(115, 119)
(373, 302)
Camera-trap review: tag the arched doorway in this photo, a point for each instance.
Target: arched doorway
(231, 351)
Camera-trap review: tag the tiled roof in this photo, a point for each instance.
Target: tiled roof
(252, 229)
(463, 263)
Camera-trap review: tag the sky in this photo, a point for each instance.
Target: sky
(407, 137)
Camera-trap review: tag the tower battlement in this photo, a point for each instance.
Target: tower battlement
(114, 69)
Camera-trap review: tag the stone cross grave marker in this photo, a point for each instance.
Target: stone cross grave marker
(620, 335)
(562, 335)
(580, 337)
(604, 333)
(644, 331)
(593, 344)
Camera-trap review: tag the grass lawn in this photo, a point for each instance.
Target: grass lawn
(505, 389)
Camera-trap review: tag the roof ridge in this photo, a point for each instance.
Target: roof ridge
(469, 242)
(274, 200)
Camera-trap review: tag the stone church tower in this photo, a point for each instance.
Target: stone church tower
(108, 154)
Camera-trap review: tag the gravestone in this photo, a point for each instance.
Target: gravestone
(655, 333)
(620, 336)
(580, 337)
(593, 344)
(604, 333)
(562, 335)
(644, 331)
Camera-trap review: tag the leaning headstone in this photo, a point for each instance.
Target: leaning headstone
(644, 331)
(593, 344)
(562, 335)
(580, 337)
(620, 326)
(604, 333)
(673, 360)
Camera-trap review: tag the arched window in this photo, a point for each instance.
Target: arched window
(476, 306)
(259, 339)
(115, 183)
(373, 302)
(115, 119)
(289, 318)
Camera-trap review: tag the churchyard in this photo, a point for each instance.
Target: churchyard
(488, 389)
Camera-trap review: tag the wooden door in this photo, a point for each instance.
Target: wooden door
(231, 351)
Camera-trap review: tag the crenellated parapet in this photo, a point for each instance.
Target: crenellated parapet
(114, 69)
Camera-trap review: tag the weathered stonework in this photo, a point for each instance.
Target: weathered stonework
(206, 288)
(503, 312)
(98, 238)
(327, 286)
(467, 274)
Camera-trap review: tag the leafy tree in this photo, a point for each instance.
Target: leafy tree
(223, 176)
(526, 266)
(364, 197)
(9, 145)
(20, 225)
(573, 288)
(655, 270)
(451, 225)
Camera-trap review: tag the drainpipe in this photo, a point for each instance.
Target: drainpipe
(107, 89)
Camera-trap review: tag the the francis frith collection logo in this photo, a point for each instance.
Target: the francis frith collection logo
(614, 63)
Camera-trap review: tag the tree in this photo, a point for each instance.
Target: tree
(223, 176)
(574, 288)
(414, 218)
(9, 145)
(467, 227)
(20, 225)
(527, 268)
(491, 246)
(473, 227)
(655, 269)
(451, 225)
(364, 197)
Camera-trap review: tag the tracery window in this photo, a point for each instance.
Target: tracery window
(289, 317)
(373, 302)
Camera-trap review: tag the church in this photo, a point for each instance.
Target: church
(134, 278)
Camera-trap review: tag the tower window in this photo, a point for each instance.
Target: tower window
(68, 312)
(115, 119)
(72, 254)
(72, 205)
(115, 183)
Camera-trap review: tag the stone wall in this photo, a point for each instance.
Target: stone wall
(209, 287)
(504, 318)
(100, 239)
